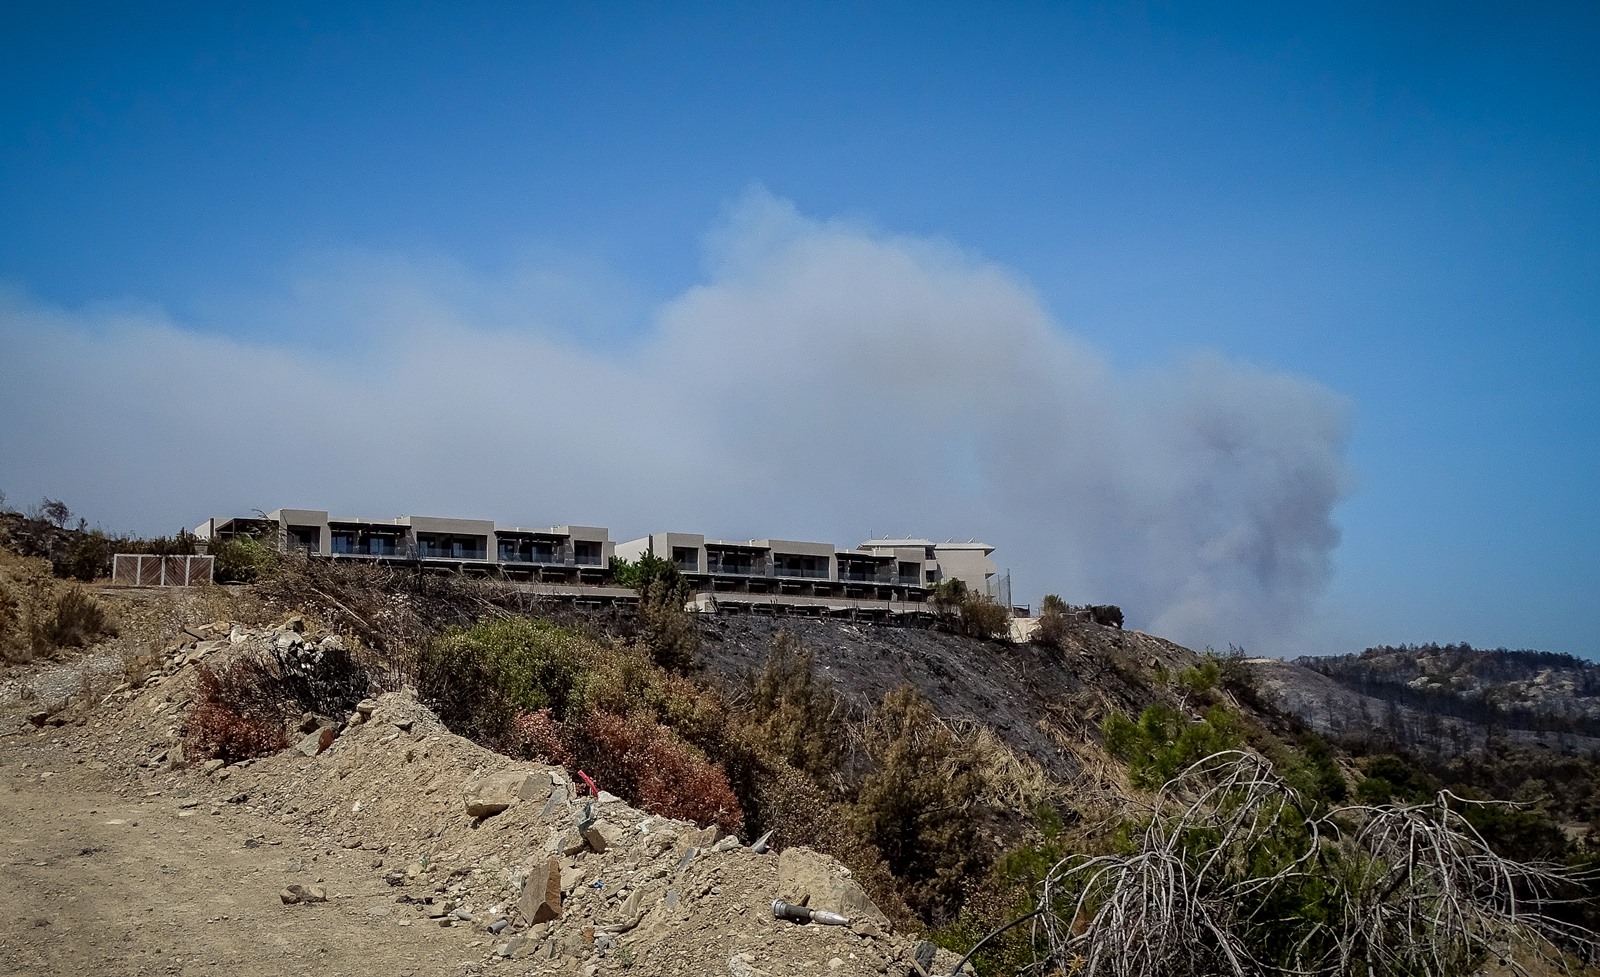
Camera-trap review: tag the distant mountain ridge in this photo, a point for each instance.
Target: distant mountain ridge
(1535, 691)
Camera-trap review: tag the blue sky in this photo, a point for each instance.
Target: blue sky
(1378, 223)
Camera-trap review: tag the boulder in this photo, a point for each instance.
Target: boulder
(498, 791)
(812, 879)
(317, 741)
(602, 835)
(706, 837)
(541, 898)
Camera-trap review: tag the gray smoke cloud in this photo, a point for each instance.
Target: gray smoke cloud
(825, 381)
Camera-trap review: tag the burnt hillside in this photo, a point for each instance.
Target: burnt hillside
(1042, 702)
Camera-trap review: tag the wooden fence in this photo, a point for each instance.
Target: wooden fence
(139, 570)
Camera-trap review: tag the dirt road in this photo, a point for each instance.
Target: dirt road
(96, 878)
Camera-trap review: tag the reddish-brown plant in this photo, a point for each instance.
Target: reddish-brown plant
(236, 715)
(647, 764)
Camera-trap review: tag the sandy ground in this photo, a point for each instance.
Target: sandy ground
(116, 858)
(98, 878)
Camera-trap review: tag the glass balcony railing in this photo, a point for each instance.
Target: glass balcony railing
(536, 558)
(442, 553)
(345, 547)
(804, 573)
(862, 576)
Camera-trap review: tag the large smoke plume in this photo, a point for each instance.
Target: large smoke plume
(825, 381)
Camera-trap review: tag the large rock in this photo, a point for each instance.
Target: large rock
(317, 741)
(498, 791)
(541, 898)
(813, 879)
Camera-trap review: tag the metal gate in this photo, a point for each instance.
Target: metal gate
(142, 570)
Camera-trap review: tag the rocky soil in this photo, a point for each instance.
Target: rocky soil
(379, 843)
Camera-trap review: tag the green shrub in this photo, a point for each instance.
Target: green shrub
(1389, 777)
(1312, 770)
(646, 570)
(969, 614)
(1202, 677)
(1162, 743)
(479, 679)
(86, 556)
(534, 664)
(1107, 615)
(184, 543)
(918, 808)
(242, 559)
(795, 718)
(670, 631)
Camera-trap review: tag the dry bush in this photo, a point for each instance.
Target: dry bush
(1011, 780)
(79, 620)
(1053, 628)
(27, 608)
(537, 736)
(392, 610)
(1234, 873)
(643, 762)
(799, 813)
(40, 615)
(238, 713)
(148, 620)
(220, 733)
(970, 614)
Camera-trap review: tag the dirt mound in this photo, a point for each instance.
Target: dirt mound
(553, 881)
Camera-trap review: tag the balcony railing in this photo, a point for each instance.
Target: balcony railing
(863, 576)
(342, 547)
(537, 559)
(439, 553)
(805, 573)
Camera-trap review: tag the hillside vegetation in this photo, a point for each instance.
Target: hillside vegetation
(1148, 808)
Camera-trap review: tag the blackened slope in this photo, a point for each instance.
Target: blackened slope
(1033, 697)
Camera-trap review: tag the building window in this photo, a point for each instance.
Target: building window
(686, 558)
(587, 553)
(794, 565)
(438, 545)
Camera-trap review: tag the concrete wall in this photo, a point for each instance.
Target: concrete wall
(632, 549)
(311, 518)
(968, 562)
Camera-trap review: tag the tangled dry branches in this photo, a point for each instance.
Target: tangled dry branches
(1234, 875)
